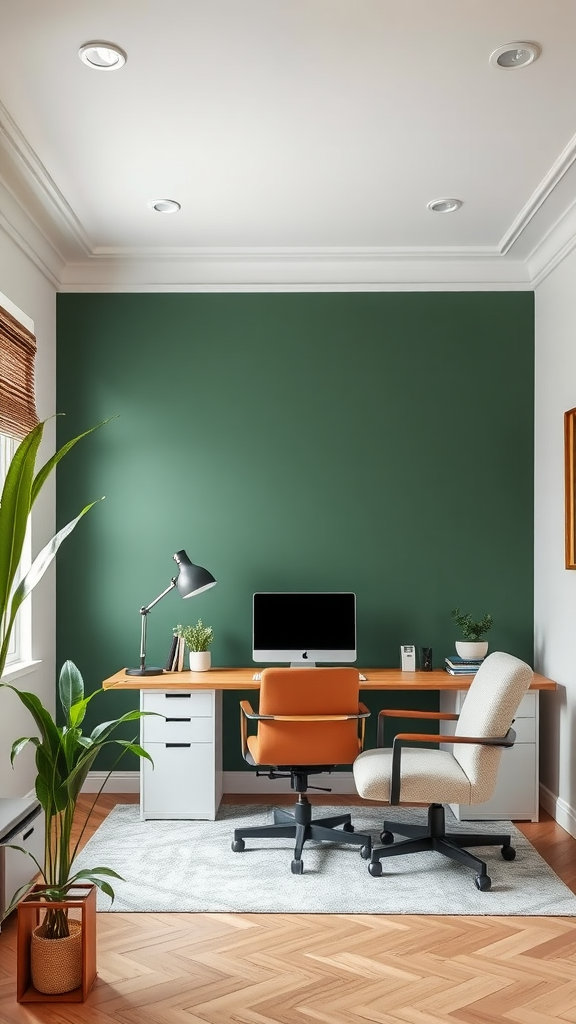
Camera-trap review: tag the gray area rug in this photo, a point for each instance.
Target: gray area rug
(188, 866)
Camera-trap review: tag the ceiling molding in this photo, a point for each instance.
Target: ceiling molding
(305, 272)
(549, 182)
(556, 245)
(43, 185)
(99, 268)
(16, 223)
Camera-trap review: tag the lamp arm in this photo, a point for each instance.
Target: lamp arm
(148, 607)
(144, 613)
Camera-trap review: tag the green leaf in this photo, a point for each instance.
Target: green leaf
(134, 748)
(103, 730)
(19, 745)
(42, 475)
(15, 506)
(70, 687)
(48, 729)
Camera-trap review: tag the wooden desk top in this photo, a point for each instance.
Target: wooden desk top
(241, 679)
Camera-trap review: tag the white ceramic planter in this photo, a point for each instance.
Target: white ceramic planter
(199, 661)
(469, 649)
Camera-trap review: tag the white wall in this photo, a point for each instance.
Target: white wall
(555, 586)
(24, 284)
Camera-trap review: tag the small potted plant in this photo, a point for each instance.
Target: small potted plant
(473, 646)
(197, 639)
(64, 757)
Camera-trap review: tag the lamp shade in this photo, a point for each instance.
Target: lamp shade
(191, 579)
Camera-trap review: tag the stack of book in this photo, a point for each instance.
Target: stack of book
(462, 666)
(175, 660)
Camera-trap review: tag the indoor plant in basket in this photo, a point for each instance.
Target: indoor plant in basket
(63, 758)
(197, 639)
(473, 645)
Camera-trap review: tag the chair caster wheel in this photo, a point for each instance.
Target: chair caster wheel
(348, 827)
(375, 868)
(386, 837)
(508, 852)
(238, 845)
(297, 867)
(483, 882)
(365, 852)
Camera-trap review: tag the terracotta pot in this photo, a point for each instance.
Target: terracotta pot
(56, 964)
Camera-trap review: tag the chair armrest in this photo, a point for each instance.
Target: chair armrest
(249, 713)
(398, 713)
(403, 738)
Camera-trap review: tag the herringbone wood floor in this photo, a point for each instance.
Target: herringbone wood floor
(322, 969)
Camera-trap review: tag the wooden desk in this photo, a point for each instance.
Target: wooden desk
(241, 679)
(185, 738)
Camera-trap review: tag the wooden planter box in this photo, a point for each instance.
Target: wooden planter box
(82, 899)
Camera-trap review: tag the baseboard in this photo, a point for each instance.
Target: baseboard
(559, 809)
(233, 782)
(337, 783)
(119, 782)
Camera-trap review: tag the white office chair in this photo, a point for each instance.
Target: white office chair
(436, 777)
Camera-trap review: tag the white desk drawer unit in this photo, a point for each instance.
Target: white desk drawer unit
(183, 739)
(516, 795)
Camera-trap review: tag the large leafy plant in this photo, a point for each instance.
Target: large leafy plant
(21, 488)
(64, 757)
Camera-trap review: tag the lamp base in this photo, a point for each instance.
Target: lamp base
(144, 671)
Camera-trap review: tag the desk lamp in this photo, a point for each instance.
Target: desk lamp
(190, 580)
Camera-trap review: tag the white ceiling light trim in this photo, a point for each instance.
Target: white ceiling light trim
(514, 55)
(102, 56)
(164, 205)
(444, 205)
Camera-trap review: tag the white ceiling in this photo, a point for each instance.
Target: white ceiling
(294, 133)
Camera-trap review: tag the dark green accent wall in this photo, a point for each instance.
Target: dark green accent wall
(374, 442)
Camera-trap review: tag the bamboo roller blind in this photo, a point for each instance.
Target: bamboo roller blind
(17, 397)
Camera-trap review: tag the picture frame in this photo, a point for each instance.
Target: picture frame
(570, 486)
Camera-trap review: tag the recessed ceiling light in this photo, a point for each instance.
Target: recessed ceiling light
(515, 55)
(444, 205)
(102, 56)
(164, 205)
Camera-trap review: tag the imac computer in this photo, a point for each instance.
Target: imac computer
(303, 628)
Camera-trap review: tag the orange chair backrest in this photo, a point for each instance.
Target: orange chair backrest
(308, 691)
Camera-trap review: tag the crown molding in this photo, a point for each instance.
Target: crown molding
(36, 177)
(556, 245)
(54, 239)
(318, 270)
(549, 182)
(16, 223)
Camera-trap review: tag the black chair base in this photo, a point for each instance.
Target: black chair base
(300, 825)
(434, 837)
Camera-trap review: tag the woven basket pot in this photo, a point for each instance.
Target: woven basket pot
(56, 964)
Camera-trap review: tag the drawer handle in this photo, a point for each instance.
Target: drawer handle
(178, 719)
(177, 696)
(178, 744)
(28, 833)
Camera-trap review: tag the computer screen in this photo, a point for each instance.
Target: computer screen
(303, 628)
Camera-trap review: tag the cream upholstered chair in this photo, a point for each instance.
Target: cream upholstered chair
(420, 775)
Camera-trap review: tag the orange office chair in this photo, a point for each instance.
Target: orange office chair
(310, 720)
